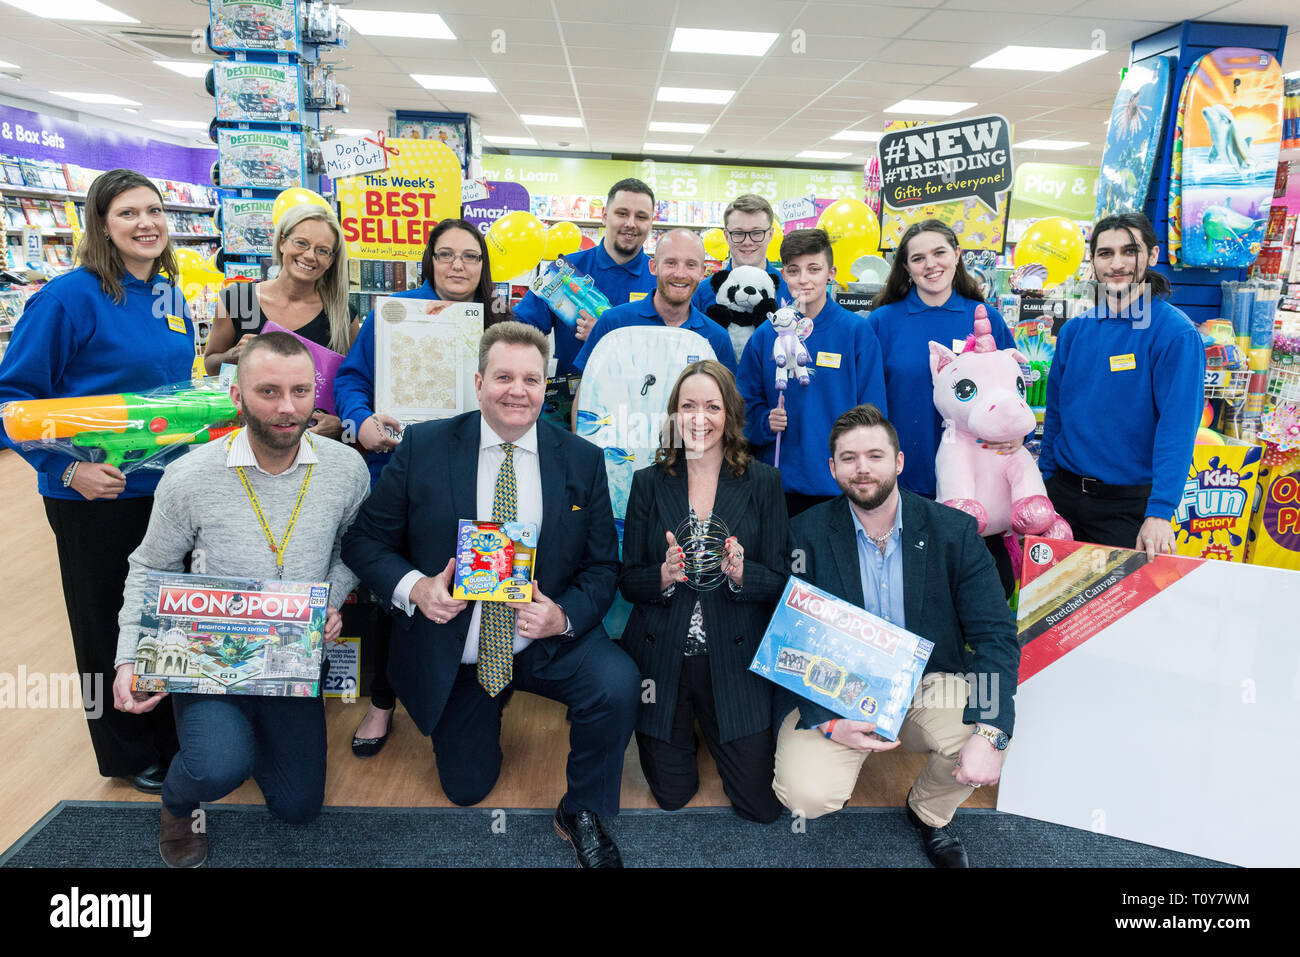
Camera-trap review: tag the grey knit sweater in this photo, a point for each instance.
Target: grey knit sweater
(201, 506)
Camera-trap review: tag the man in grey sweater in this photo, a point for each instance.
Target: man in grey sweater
(205, 505)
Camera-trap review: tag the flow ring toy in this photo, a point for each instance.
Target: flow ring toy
(704, 543)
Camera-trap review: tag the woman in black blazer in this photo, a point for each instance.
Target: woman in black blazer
(696, 646)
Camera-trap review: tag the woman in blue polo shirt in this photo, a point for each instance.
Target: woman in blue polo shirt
(455, 269)
(113, 324)
(929, 295)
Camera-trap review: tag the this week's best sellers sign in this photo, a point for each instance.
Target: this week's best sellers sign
(387, 214)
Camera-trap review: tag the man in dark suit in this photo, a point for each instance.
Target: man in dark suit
(923, 567)
(453, 663)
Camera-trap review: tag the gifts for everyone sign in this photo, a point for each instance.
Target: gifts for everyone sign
(946, 162)
(387, 214)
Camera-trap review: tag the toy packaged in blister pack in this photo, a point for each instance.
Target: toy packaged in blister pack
(494, 561)
(258, 92)
(205, 634)
(568, 291)
(260, 159)
(842, 657)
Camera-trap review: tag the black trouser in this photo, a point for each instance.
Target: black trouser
(382, 694)
(796, 502)
(746, 764)
(1002, 560)
(1104, 515)
(94, 540)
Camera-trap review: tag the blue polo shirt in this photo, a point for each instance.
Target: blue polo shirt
(705, 296)
(643, 313)
(905, 329)
(618, 282)
(1124, 399)
(846, 372)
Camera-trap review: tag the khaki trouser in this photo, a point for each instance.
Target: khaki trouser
(815, 775)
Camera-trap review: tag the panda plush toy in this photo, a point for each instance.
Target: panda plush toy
(746, 294)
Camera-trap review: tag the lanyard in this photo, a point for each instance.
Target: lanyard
(277, 550)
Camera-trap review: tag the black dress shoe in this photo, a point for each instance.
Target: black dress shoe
(150, 780)
(942, 847)
(369, 747)
(593, 846)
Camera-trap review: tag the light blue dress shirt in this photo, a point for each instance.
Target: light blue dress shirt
(882, 575)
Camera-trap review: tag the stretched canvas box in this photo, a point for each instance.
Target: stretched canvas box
(204, 634)
(842, 657)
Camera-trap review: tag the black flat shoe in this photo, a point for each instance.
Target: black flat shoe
(942, 847)
(369, 747)
(150, 780)
(583, 830)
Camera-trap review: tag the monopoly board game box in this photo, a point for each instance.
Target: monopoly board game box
(494, 561)
(842, 657)
(202, 634)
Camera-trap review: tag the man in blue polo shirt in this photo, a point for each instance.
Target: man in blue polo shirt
(678, 266)
(1124, 398)
(846, 371)
(617, 265)
(747, 222)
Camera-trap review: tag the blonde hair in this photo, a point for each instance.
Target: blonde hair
(96, 251)
(332, 286)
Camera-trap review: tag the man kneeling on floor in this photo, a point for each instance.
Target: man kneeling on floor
(268, 484)
(922, 567)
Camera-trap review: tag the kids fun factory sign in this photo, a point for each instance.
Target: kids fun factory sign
(1213, 516)
(388, 214)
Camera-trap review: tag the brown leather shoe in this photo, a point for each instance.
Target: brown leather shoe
(178, 844)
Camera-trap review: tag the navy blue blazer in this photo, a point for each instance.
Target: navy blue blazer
(410, 522)
(753, 507)
(951, 596)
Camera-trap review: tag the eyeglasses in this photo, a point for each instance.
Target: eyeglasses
(447, 257)
(300, 244)
(755, 235)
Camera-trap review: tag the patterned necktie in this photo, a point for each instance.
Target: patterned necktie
(496, 633)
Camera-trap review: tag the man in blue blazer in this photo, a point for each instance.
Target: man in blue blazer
(923, 567)
(454, 664)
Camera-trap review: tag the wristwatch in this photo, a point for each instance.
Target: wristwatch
(994, 737)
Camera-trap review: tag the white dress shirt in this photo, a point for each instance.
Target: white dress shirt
(240, 454)
(528, 508)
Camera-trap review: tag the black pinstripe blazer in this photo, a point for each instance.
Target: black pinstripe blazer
(753, 508)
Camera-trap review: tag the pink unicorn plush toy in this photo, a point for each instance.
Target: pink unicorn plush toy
(981, 396)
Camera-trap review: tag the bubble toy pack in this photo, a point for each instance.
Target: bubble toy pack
(494, 561)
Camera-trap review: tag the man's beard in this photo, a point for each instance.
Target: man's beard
(271, 439)
(870, 502)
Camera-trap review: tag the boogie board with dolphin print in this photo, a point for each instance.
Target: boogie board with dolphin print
(1137, 122)
(1231, 138)
(623, 402)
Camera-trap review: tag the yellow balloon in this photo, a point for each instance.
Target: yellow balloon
(848, 251)
(562, 239)
(293, 196)
(515, 244)
(715, 244)
(774, 247)
(1055, 243)
(851, 219)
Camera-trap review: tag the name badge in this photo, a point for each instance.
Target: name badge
(636, 296)
(828, 360)
(176, 323)
(1123, 363)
